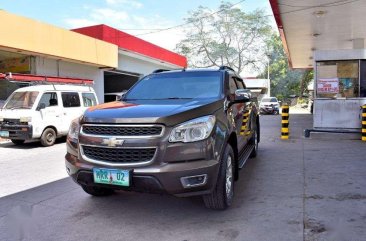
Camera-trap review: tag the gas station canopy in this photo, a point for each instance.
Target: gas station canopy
(309, 25)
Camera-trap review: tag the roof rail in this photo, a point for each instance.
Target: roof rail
(160, 70)
(223, 67)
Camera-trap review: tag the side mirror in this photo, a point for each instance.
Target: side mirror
(242, 95)
(122, 95)
(41, 106)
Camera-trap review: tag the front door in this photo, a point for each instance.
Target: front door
(50, 110)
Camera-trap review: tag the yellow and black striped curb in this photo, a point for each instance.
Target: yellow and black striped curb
(285, 122)
(363, 123)
(244, 125)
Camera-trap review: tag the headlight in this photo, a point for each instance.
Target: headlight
(193, 130)
(25, 119)
(74, 129)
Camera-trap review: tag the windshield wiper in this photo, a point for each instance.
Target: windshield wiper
(174, 98)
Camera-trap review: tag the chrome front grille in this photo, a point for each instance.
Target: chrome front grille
(118, 155)
(122, 130)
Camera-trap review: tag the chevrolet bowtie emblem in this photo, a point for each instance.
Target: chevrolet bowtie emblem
(112, 142)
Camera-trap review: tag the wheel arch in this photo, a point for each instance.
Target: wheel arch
(52, 127)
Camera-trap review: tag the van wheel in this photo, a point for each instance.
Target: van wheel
(48, 137)
(18, 142)
(222, 196)
(97, 191)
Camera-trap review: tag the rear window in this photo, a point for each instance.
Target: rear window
(70, 99)
(269, 100)
(89, 99)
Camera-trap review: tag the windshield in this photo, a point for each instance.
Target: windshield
(21, 100)
(269, 100)
(182, 85)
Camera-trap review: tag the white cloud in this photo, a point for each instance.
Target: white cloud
(79, 22)
(124, 21)
(104, 14)
(130, 3)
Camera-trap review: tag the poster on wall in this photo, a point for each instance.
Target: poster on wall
(15, 65)
(328, 86)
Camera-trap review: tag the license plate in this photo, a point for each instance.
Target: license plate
(112, 176)
(4, 133)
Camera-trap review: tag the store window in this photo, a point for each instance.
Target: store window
(338, 79)
(363, 78)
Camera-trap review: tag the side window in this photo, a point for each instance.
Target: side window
(70, 99)
(240, 83)
(232, 86)
(89, 99)
(48, 99)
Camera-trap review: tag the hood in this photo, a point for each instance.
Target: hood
(168, 112)
(16, 113)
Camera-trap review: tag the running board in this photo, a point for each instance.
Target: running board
(245, 155)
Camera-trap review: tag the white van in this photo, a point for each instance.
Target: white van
(43, 112)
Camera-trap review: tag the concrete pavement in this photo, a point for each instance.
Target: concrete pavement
(300, 189)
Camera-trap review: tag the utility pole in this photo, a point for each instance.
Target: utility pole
(269, 81)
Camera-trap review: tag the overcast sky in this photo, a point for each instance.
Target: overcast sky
(122, 14)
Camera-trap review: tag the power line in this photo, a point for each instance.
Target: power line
(189, 22)
(304, 8)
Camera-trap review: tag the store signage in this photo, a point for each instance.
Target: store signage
(15, 65)
(328, 86)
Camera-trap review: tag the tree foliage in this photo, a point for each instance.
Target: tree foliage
(229, 37)
(284, 80)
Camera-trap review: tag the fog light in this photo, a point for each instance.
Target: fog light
(194, 181)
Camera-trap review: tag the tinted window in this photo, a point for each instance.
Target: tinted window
(48, 99)
(177, 85)
(232, 85)
(239, 83)
(269, 100)
(89, 99)
(70, 99)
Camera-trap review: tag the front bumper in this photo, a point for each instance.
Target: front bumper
(17, 132)
(162, 174)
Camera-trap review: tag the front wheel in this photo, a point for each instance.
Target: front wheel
(48, 137)
(222, 196)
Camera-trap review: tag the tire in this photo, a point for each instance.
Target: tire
(222, 196)
(18, 142)
(48, 137)
(97, 191)
(254, 141)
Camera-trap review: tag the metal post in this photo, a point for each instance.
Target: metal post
(243, 129)
(285, 122)
(363, 123)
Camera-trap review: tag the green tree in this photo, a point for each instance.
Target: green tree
(284, 80)
(228, 36)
